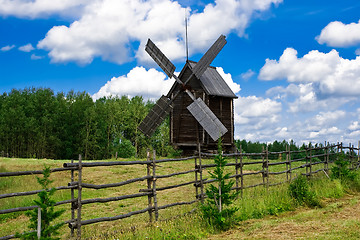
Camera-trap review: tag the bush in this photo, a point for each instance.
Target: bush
(300, 190)
(125, 149)
(341, 169)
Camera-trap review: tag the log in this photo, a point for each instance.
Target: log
(178, 173)
(19, 209)
(94, 186)
(111, 199)
(178, 204)
(6, 195)
(22, 173)
(106, 219)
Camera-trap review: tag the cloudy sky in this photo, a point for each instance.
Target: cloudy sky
(294, 64)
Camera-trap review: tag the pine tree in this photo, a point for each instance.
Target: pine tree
(48, 214)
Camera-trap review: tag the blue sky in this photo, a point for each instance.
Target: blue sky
(295, 65)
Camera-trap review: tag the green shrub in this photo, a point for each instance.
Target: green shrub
(299, 189)
(341, 169)
(125, 149)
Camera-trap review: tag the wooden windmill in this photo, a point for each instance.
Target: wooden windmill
(200, 103)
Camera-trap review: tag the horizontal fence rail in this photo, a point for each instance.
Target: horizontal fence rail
(242, 166)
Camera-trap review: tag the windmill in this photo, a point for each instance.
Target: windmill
(198, 108)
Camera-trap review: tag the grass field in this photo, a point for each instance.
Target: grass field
(256, 203)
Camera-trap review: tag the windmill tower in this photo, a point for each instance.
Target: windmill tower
(200, 103)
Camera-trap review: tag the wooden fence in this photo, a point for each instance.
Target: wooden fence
(243, 165)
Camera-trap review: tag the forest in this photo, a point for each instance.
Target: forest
(37, 123)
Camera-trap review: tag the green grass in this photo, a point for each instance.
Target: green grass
(256, 202)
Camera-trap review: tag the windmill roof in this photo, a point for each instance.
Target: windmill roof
(211, 81)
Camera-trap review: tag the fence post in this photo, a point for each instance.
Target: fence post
(358, 158)
(154, 186)
(79, 199)
(149, 183)
(327, 158)
(290, 162)
(307, 161)
(196, 180)
(263, 165)
(287, 162)
(236, 171)
(39, 223)
(241, 172)
(73, 204)
(267, 166)
(201, 176)
(310, 162)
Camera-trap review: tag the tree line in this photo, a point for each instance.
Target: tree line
(36, 123)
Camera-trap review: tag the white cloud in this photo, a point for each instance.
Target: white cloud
(41, 8)
(357, 51)
(26, 48)
(338, 34)
(7, 48)
(255, 113)
(150, 84)
(354, 126)
(36, 57)
(229, 81)
(247, 75)
(330, 74)
(108, 28)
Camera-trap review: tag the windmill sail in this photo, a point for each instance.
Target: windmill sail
(207, 119)
(209, 56)
(160, 58)
(156, 116)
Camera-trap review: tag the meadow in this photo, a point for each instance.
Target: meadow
(180, 222)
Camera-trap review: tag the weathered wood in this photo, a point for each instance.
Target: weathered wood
(39, 223)
(78, 222)
(94, 186)
(22, 173)
(6, 195)
(122, 163)
(170, 187)
(111, 199)
(149, 183)
(237, 173)
(178, 204)
(201, 176)
(105, 219)
(196, 179)
(154, 186)
(19, 209)
(72, 177)
(177, 173)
